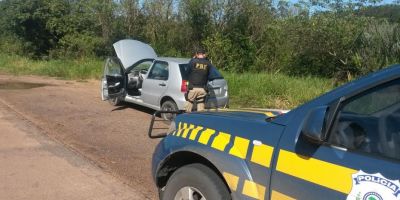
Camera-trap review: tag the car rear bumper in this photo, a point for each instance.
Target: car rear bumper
(219, 102)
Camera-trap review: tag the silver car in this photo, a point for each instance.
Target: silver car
(138, 76)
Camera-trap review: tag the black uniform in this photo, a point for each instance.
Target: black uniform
(199, 69)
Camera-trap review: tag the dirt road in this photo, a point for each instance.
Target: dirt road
(71, 112)
(35, 167)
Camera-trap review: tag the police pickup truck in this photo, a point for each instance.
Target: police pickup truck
(344, 144)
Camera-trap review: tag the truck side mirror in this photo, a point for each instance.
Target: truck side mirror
(314, 125)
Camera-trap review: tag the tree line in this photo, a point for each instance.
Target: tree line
(329, 38)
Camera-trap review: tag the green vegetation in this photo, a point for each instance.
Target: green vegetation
(324, 38)
(62, 68)
(265, 90)
(389, 12)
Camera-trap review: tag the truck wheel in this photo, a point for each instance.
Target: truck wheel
(195, 181)
(168, 106)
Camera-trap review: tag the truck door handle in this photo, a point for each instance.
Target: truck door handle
(162, 84)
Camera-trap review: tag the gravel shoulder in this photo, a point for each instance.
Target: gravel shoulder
(36, 167)
(112, 138)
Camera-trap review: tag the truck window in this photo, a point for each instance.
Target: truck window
(369, 122)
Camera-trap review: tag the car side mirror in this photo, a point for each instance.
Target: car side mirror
(314, 125)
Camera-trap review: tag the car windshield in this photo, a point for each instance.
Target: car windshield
(214, 73)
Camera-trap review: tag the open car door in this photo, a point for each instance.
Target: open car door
(129, 53)
(113, 81)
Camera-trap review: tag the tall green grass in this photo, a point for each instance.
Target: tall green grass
(265, 90)
(88, 68)
(257, 90)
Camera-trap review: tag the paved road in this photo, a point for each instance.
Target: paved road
(35, 167)
(72, 113)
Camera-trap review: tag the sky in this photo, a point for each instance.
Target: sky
(387, 1)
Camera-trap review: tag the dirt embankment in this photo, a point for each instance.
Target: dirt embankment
(114, 138)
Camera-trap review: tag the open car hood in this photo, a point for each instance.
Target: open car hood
(132, 51)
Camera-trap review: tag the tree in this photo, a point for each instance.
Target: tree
(132, 18)
(377, 46)
(317, 37)
(104, 12)
(389, 12)
(197, 18)
(26, 20)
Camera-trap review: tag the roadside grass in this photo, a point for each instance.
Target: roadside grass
(266, 90)
(88, 68)
(246, 90)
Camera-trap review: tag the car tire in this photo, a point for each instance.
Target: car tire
(116, 101)
(168, 106)
(197, 180)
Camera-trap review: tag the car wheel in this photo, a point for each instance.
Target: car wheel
(195, 181)
(168, 106)
(116, 101)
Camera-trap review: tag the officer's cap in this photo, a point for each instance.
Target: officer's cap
(200, 50)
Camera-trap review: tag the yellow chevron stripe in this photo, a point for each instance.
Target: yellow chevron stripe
(254, 190)
(270, 114)
(221, 140)
(323, 173)
(262, 155)
(186, 131)
(205, 136)
(231, 180)
(180, 125)
(194, 132)
(240, 147)
(183, 126)
(275, 195)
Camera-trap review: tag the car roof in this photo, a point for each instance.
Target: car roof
(173, 59)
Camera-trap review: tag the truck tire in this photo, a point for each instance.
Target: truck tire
(195, 181)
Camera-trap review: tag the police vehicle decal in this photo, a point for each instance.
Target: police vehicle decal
(320, 172)
(326, 174)
(261, 154)
(373, 187)
(249, 187)
(275, 195)
(253, 152)
(316, 171)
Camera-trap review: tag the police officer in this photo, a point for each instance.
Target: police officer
(199, 68)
